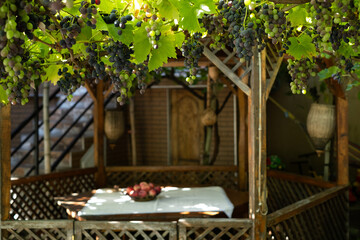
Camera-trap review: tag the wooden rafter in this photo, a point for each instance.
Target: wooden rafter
(227, 71)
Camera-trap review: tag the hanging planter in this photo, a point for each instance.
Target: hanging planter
(114, 124)
(321, 124)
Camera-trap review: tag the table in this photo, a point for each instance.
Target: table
(78, 206)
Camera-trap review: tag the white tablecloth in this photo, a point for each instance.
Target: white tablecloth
(171, 199)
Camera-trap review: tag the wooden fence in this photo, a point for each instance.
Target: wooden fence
(320, 216)
(224, 176)
(33, 197)
(230, 229)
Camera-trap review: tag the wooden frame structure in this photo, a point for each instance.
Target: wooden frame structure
(254, 82)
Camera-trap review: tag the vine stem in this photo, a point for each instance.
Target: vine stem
(54, 46)
(126, 7)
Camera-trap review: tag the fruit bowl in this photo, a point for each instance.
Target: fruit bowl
(143, 192)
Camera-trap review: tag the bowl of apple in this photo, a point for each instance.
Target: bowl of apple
(143, 191)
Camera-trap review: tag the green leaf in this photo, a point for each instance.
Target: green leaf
(85, 34)
(166, 50)
(297, 16)
(190, 11)
(108, 5)
(179, 39)
(346, 50)
(142, 46)
(80, 48)
(3, 96)
(71, 11)
(100, 23)
(127, 35)
(52, 74)
(301, 47)
(167, 9)
(328, 72)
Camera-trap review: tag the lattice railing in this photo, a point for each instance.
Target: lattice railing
(33, 197)
(39, 230)
(233, 229)
(91, 230)
(224, 176)
(286, 188)
(321, 216)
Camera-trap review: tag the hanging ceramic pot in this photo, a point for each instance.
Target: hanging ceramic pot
(321, 124)
(114, 124)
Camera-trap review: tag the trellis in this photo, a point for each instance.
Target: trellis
(254, 81)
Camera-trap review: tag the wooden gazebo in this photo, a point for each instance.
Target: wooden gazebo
(281, 206)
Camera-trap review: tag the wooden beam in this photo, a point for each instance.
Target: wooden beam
(5, 163)
(108, 91)
(99, 135)
(273, 76)
(342, 141)
(257, 147)
(242, 137)
(91, 91)
(224, 69)
(303, 205)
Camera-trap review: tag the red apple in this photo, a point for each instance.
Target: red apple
(136, 187)
(157, 189)
(134, 194)
(142, 194)
(129, 189)
(152, 193)
(151, 185)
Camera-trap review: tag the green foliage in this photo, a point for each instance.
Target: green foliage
(302, 47)
(154, 31)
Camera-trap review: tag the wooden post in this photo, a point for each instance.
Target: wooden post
(133, 133)
(242, 138)
(47, 143)
(257, 146)
(5, 163)
(99, 134)
(342, 141)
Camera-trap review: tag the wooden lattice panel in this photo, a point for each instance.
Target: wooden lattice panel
(225, 229)
(327, 220)
(224, 177)
(33, 197)
(39, 230)
(91, 230)
(227, 62)
(282, 193)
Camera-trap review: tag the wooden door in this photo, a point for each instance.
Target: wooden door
(187, 133)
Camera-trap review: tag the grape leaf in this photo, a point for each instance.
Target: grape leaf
(142, 45)
(301, 47)
(127, 34)
(166, 50)
(100, 23)
(108, 5)
(85, 34)
(328, 72)
(52, 74)
(346, 50)
(190, 11)
(297, 16)
(179, 39)
(80, 48)
(167, 9)
(3, 96)
(70, 11)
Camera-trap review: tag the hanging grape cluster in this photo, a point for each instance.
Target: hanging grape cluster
(192, 51)
(69, 82)
(300, 71)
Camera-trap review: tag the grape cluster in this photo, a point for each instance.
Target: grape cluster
(70, 29)
(18, 71)
(153, 30)
(300, 71)
(192, 50)
(87, 11)
(122, 23)
(69, 82)
(121, 70)
(96, 70)
(274, 22)
(141, 71)
(216, 29)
